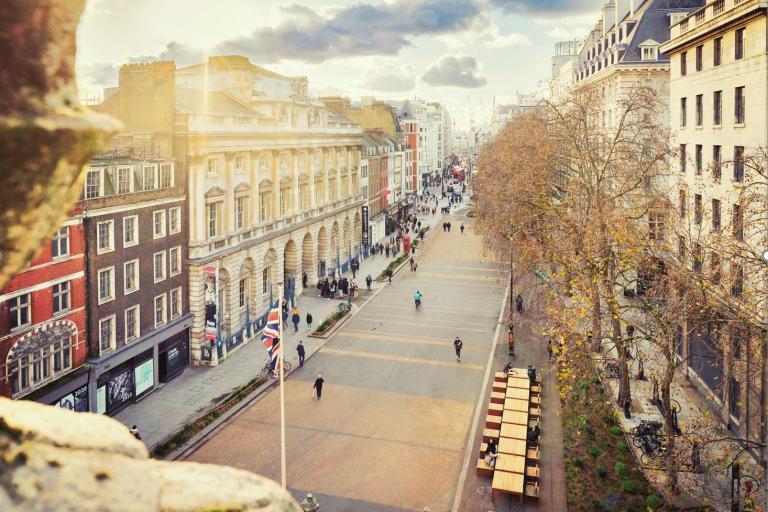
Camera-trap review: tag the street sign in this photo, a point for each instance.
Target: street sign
(365, 236)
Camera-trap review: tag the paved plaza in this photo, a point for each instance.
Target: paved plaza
(391, 430)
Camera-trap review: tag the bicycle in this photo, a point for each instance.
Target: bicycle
(267, 371)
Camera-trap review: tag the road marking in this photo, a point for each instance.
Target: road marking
(398, 338)
(442, 321)
(469, 455)
(374, 319)
(402, 359)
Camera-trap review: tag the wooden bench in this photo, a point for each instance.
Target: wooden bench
(536, 388)
(508, 483)
(496, 409)
(534, 411)
(490, 433)
(532, 472)
(499, 387)
(497, 398)
(532, 490)
(536, 399)
(500, 377)
(532, 453)
(484, 469)
(493, 422)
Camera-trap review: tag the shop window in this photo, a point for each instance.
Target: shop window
(40, 358)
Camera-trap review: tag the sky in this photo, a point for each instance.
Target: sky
(464, 53)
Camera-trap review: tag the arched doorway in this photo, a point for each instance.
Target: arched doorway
(269, 278)
(308, 258)
(335, 248)
(290, 270)
(322, 252)
(358, 233)
(246, 285)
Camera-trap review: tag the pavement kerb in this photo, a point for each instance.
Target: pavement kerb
(469, 453)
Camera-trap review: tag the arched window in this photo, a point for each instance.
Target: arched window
(41, 356)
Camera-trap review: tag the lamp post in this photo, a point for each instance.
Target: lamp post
(511, 335)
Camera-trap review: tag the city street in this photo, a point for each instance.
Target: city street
(391, 429)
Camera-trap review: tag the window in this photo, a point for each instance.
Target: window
(717, 108)
(265, 279)
(683, 158)
(213, 219)
(175, 303)
(31, 365)
(716, 223)
(698, 209)
(684, 63)
(265, 205)
(717, 159)
(738, 222)
(739, 104)
(159, 266)
(93, 184)
(682, 204)
(166, 176)
(655, 226)
(132, 324)
(285, 201)
(715, 265)
(699, 159)
(243, 292)
(130, 231)
(160, 313)
(211, 166)
(123, 180)
(107, 333)
(718, 51)
(738, 164)
(649, 53)
(699, 57)
(158, 224)
(697, 257)
(174, 220)
(241, 212)
(681, 249)
(737, 279)
(239, 164)
(106, 282)
(60, 243)
(699, 109)
(130, 276)
(683, 112)
(149, 177)
(104, 235)
(20, 311)
(740, 35)
(61, 297)
(174, 254)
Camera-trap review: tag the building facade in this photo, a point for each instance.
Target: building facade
(718, 91)
(136, 228)
(43, 328)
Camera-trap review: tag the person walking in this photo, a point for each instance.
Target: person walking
(135, 432)
(519, 303)
(368, 281)
(462, 229)
(389, 275)
(317, 388)
(296, 319)
(550, 352)
(300, 350)
(458, 344)
(309, 321)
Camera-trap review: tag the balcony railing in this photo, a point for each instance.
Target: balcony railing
(707, 13)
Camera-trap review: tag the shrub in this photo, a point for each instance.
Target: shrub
(601, 471)
(653, 502)
(593, 452)
(616, 430)
(578, 462)
(630, 486)
(621, 469)
(622, 446)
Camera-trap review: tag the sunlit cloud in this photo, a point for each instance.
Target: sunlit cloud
(455, 71)
(390, 78)
(554, 8)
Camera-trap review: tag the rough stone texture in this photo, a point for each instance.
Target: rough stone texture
(57, 460)
(46, 137)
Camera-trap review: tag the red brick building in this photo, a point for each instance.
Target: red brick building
(43, 339)
(411, 136)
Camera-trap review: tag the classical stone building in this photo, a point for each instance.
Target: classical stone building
(718, 88)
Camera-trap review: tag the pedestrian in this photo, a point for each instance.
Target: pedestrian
(300, 350)
(550, 352)
(531, 373)
(449, 227)
(285, 311)
(135, 432)
(310, 504)
(309, 321)
(304, 280)
(368, 281)
(389, 275)
(462, 229)
(386, 250)
(458, 344)
(317, 388)
(519, 303)
(296, 319)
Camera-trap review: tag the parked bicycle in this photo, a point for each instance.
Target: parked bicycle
(268, 372)
(649, 437)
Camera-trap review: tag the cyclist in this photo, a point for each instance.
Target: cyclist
(417, 299)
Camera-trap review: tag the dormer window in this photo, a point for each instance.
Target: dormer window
(676, 18)
(649, 50)
(649, 53)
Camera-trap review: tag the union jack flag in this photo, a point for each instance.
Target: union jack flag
(270, 336)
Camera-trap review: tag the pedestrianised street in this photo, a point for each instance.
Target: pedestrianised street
(391, 429)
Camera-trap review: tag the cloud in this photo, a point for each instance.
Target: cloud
(182, 54)
(390, 78)
(455, 71)
(574, 27)
(357, 30)
(485, 33)
(557, 8)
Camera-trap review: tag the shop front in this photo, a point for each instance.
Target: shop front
(174, 356)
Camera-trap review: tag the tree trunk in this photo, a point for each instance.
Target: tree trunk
(597, 329)
(666, 398)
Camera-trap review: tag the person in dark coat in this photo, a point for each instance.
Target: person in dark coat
(458, 344)
(309, 320)
(318, 386)
(389, 275)
(368, 281)
(304, 280)
(296, 319)
(519, 303)
(300, 350)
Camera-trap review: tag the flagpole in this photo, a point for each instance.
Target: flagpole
(281, 361)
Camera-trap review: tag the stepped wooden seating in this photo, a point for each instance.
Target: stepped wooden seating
(532, 472)
(499, 387)
(532, 489)
(493, 422)
(536, 399)
(490, 433)
(508, 483)
(497, 398)
(533, 453)
(483, 469)
(500, 377)
(534, 411)
(496, 409)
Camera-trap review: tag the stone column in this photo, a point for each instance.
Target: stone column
(275, 155)
(228, 215)
(295, 205)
